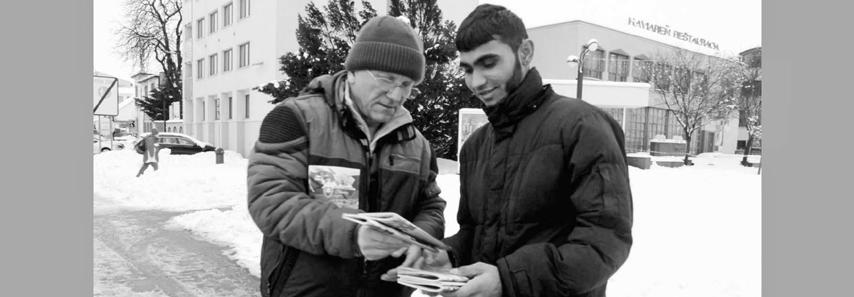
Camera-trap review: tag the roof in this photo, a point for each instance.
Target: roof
(122, 82)
(663, 42)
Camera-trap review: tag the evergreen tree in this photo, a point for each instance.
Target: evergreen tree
(325, 38)
(154, 106)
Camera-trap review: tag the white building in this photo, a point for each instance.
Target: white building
(232, 46)
(612, 81)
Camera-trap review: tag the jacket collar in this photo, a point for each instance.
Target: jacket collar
(521, 102)
(334, 89)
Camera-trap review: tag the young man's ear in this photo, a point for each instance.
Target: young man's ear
(526, 52)
(351, 77)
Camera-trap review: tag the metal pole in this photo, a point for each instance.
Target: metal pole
(99, 133)
(164, 114)
(579, 79)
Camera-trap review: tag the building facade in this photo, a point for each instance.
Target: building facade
(614, 82)
(231, 46)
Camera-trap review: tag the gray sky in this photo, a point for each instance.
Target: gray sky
(108, 14)
(735, 25)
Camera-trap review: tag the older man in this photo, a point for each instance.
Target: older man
(344, 145)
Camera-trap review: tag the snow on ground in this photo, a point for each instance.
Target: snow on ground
(697, 229)
(231, 228)
(183, 182)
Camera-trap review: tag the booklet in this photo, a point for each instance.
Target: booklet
(430, 281)
(398, 227)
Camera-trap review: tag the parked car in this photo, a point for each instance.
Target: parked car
(102, 144)
(180, 144)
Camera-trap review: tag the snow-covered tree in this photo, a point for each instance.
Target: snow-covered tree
(156, 104)
(750, 101)
(695, 88)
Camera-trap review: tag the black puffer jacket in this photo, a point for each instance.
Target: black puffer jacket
(308, 249)
(545, 195)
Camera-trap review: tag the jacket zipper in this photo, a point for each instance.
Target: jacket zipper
(366, 179)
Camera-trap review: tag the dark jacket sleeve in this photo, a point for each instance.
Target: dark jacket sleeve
(600, 242)
(430, 207)
(461, 242)
(277, 197)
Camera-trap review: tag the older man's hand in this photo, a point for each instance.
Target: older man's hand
(375, 244)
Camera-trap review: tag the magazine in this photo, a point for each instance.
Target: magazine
(398, 227)
(430, 281)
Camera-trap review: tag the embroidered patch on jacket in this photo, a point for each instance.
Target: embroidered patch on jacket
(338, 184)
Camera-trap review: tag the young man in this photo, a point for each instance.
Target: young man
(345, 145)
(151, 151)
(546, 208)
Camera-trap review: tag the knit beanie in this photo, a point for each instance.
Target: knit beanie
(387, 44)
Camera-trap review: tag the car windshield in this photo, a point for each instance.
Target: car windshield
(185, 141)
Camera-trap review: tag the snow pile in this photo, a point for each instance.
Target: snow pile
(183, 182)
(232, 228)
(697, 229)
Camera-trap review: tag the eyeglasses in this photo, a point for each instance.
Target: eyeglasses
(389, 84)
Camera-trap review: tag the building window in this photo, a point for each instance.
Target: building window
(661, 75)
(212, 16)
(200, 66)
(188, 31)
(618, 67)
(199, 25)
(244, 9)
(216, 109)
(226, 14)
(244, 55)
(188, 71)
(203, 108)
(230, 103)
(212, 60)
(594, 64)
(246, 104)
(226, 60)
(641, 69)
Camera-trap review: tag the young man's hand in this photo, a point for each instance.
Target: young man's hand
(375, 244)
(484, 281)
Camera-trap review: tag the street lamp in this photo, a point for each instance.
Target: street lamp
(591, 45)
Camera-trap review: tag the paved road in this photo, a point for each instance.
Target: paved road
(136, 256)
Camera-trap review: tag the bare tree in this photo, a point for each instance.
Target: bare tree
(696, 88)
(154, 28)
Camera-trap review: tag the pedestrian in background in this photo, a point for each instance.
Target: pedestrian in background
(149, 147)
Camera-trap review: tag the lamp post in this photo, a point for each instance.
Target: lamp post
(591, 45)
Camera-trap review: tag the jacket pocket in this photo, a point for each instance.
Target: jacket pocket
(402, 163)
(279, 275)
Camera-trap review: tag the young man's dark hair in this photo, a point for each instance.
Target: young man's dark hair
(488, 22)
